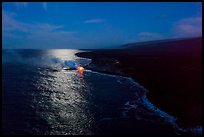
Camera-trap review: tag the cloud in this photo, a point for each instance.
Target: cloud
(48, 27)
(94, 21)
(10, 24)
(21, 4)
(19, 34)
(44, 5)
(29, 33)
(142, 36)
(188, 27)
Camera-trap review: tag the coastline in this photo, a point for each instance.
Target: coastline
(170, 78)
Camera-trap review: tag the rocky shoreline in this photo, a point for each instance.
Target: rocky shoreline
(172, 76)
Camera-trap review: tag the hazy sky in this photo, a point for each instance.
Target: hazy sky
(96, 24)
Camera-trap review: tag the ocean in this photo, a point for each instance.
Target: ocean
(41, 98)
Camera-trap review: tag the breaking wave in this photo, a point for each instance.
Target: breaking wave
(140, 99)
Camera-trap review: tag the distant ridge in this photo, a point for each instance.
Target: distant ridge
(155, 42)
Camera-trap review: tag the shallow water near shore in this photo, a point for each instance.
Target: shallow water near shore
(39, 97)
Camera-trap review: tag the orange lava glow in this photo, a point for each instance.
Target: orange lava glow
(80, 69)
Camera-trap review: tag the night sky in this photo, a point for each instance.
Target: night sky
(80, 25)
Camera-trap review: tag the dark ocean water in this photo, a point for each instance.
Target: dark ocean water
(39, 97)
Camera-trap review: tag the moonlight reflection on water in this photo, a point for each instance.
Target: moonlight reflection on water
(40, 97)
(65, 96)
